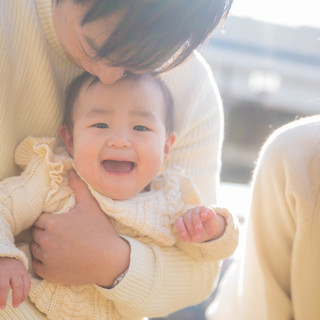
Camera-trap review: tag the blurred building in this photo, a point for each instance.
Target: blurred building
(268, 75)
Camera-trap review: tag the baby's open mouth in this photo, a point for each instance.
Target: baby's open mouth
(118, 166)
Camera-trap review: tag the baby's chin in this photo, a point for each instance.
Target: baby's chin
(119, 194)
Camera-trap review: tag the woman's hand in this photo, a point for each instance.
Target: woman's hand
(81, 246)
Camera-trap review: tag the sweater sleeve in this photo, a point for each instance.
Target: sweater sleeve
(161, 280)
(199, 125)
(23, 198)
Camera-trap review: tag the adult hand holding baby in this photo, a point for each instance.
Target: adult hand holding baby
(94, 252)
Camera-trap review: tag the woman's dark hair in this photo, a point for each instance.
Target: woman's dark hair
(73, 90)
(155, 35)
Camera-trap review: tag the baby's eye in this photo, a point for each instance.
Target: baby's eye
(141, 128)
(100, 125)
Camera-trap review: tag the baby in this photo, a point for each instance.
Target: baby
(116, 137)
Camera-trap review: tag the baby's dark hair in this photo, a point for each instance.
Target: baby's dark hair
(73, 90)
(154, 35)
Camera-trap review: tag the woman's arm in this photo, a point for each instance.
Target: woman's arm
(161, 280)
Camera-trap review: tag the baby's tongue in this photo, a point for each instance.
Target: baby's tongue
(117, 166)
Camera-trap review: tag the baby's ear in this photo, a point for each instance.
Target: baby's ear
(169, 142)
(67, 138)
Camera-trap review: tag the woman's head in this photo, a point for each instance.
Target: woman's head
(140, 35)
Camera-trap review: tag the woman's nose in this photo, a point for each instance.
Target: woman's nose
(109, 75)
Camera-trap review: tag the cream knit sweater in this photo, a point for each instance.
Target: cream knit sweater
(277, 277)
(147, 217)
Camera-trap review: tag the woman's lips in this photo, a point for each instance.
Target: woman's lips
(115, 166)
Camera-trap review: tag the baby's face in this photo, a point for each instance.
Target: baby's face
(119, 136)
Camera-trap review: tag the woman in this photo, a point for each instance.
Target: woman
(44, 44)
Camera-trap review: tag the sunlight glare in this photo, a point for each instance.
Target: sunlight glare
(284, 12)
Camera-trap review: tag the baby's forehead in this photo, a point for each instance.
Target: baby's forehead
(139, 79)
(138, 89)
(142, 89)
(144, 84)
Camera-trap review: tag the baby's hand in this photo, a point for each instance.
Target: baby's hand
(15, 275)
(200, 224)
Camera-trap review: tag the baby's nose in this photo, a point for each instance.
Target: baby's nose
(119, 141)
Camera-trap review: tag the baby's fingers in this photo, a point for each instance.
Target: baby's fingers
(27, 286)
(4, 291)
(196, 221)
(20, 286)
(181, 228)
(17, 286)
(206, 213)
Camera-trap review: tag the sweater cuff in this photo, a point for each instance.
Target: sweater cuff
(228, 242)
(13, 252)
(140, 278)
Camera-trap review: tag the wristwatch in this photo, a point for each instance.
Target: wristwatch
(119, 279)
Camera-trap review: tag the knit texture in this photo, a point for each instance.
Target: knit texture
(147, 217)
(34, 71)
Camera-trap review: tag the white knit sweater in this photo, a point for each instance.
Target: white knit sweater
(147, 217)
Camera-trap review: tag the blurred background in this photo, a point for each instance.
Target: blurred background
(266, 62)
